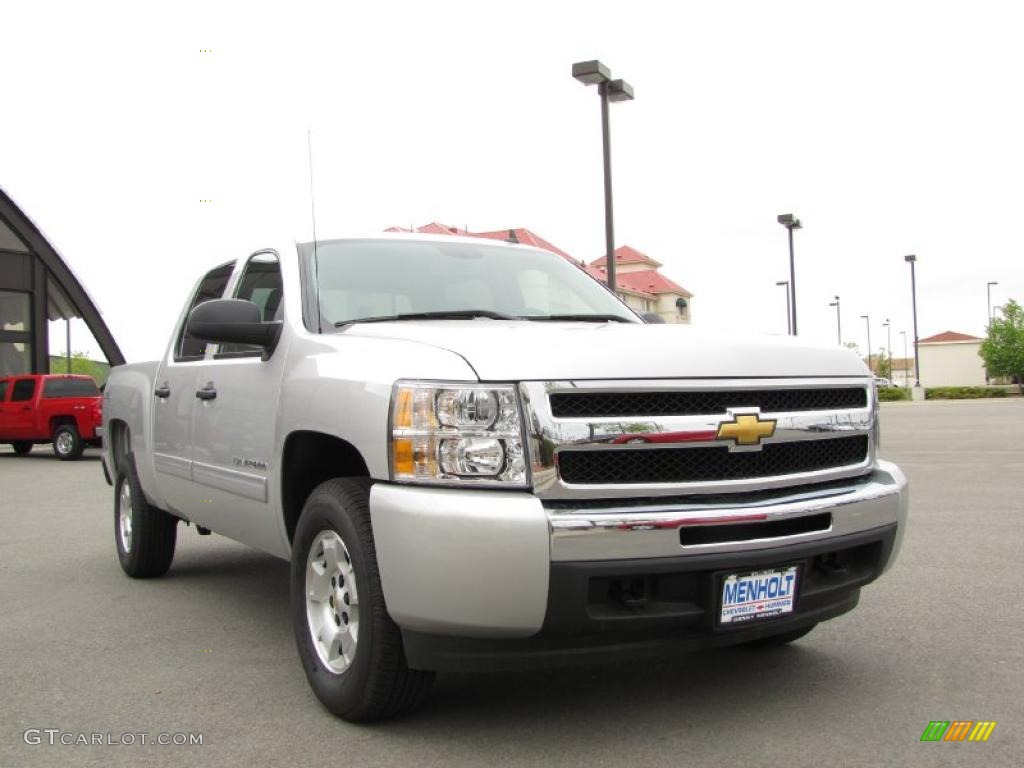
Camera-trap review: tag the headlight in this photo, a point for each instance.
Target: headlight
(456, 433)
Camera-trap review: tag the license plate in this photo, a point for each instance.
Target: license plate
(758, 595)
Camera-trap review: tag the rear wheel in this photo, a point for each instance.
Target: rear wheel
(350, 648)
(783, 638)
(67, 443)
(145, 536)
(22, 447)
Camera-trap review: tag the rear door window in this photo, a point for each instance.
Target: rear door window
(3, 391)
(23, 390)
(70, 388)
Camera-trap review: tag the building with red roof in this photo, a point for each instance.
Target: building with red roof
(629, 258)
(649, 290)
(949, 337)
(433, 228)
(524, 236)
(638, 282)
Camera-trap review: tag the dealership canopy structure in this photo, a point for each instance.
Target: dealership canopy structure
(37, 286)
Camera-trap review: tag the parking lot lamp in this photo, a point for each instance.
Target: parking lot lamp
(789, 314)
(839, 321)
(596, 73)
(906, 377)
(867, 322)
(911, 259)
(988, 291)
(790, 222)
(888, 327)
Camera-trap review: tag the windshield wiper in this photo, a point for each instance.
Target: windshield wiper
(581, 318)
(443, 314)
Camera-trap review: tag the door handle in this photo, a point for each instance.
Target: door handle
(209, 392)
(163, 391)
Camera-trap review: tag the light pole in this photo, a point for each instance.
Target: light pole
(789, 313)
(911, 259)
(906, 378)
(988, 292)
(790, 223)
(839, 321)
(596, 73)
(888, 327)
(867, 321)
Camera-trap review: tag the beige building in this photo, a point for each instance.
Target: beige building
(951, 359)
(902, 371)
(639, 283)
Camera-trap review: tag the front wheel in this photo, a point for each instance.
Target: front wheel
(145, 536)
(22, 447)
(350, 648)
(67, 443)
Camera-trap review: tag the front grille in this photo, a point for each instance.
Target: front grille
(692, 465)
(572, 405)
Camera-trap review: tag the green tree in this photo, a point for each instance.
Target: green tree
(80, 364)
(883, 364)
(1003, 348)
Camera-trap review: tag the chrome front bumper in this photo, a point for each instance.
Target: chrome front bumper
(610, 533)
(477, 563)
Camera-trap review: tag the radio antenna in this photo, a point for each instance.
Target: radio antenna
(312, 210)
(312, 197)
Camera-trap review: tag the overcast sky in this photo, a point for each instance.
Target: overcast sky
(887, 127)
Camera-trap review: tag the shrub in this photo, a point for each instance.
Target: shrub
(888, 394)
(962, 393)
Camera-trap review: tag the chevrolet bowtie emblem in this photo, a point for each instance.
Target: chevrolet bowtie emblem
(746, 429)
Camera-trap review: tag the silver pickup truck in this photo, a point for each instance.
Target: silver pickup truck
(476, 457)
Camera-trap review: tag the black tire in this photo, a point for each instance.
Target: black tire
(67, 443)
(22, 447)
(376, 683)
(150, 547)
(783, 638)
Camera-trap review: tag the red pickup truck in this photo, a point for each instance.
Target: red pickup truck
(63, 410)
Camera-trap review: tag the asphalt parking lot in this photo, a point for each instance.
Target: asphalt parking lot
(209, 649)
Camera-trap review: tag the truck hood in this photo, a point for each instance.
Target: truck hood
(501, 350)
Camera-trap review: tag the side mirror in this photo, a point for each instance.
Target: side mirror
(233, 321)
(652, 318)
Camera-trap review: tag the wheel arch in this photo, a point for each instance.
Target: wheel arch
(308, 459)
(60, 419)
(119, 439)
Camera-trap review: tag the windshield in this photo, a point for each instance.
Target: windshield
(384, 279)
